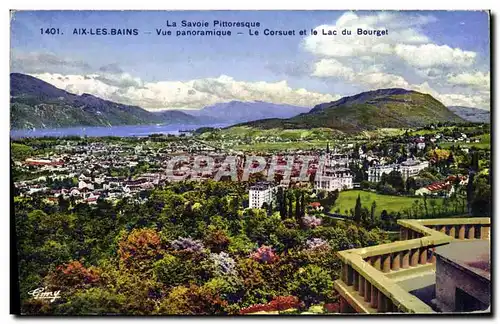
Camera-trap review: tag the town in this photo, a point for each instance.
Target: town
(431, 163)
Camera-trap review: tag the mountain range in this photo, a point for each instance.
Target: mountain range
(38, 104)
(238, 111)
(474, 115)
(383, 108)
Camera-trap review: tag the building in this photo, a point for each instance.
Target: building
(375, 172)
(420, 144)
(411, 167)
(263, 192)
(408, 168)
(442, 188)
(332, 179)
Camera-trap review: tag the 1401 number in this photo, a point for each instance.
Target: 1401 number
(50, 31)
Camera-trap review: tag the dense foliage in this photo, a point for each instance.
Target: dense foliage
(189, 249)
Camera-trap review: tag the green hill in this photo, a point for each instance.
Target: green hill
(384, 108)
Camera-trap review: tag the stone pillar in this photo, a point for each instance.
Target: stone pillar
(349, 275)
(423, 255)
(443, 229)
(386, 262)
(433, 256)
(396, 261)
(355, 278)
(344, 272)
(452, 231)
(376, 262)
(362, 284)
(461, 232)
(368, 293)
(374, 297)
(414, 255)
(472, 233)
(381, 303)
(485, 232)
(406, 259)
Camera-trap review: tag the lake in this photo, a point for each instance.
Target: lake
(120, 131)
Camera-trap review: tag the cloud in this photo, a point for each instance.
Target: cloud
(476, 99)
(34, 62)
(401, 30)
(111, 68)
(197, 93)
(404, 58)
(478, 80)
(430, 55)
(372, 77)
(332, 68)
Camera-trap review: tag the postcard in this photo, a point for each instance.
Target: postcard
(239, 163)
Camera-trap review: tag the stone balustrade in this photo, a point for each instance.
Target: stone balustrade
(366, 284)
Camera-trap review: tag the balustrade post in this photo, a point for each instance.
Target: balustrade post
(423, 255)
(349, 275)
(381, 303)
(472, 233)
(386, 262)
(368, 288)
(461, 232)
(414, 255)
(376, 262)
(374, 297)
(355, 278)
(362, 285)
(485, 232)
(396, 261)
(452, 231)
(433, 256)
(406, 259)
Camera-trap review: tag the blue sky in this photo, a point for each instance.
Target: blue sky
(454, 47)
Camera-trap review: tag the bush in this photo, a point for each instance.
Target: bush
(172, 271)
(192, 300)
(265, 254)
(140, 247)
(312, 284)
(279, 303)
(73, 276)
(311, 221)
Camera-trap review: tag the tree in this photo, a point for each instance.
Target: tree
(297, 205)
(140, 247)
(396, 180)
(411, 184)
(357, 210)
(372, 211)
(312, 284)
